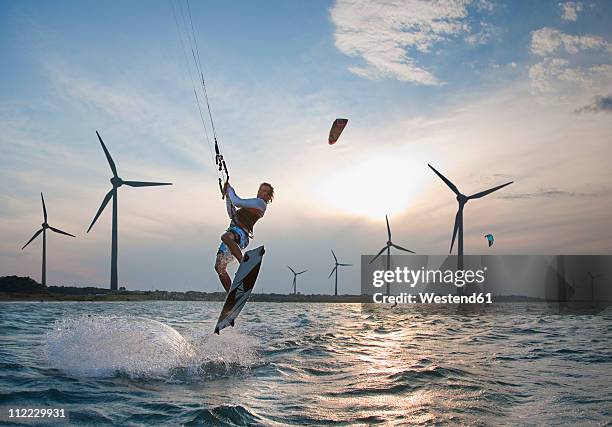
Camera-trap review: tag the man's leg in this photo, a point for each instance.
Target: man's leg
(220, 268)
(228, 238)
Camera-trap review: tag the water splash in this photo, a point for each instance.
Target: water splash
(101, 346)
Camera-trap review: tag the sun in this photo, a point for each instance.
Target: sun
(372, 187)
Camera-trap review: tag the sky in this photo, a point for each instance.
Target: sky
(485, 91)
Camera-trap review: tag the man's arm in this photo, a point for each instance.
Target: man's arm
(231, 210)
(245, 203)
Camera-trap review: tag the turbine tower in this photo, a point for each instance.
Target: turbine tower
(387, 247)
(337, 264)
(116, 182)
(43, 230)
(462, 199)
(295, 275)
(593, 277)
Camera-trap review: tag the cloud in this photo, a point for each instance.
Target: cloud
(570, 10)
(546, 194)
(485, 5)
(546, 41)
(487, 31)
(136, 110)
(386, 36)
(550, 74)
(600, 103)
(566, 64)
(542, 73)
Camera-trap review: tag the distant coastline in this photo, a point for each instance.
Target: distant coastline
(15, 288)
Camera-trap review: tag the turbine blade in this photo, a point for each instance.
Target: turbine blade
(402, 249)
(388, 228)
(108, 157)
(57, 230)
(377, 255)
(456, 228)
(332, 272)
(489, 191)
(446, 181)
(291, 269)
(145, 184)
(301, 272)
(345, 265)
(334, 255)
(33, 237)
(102, 206)
(44, 207)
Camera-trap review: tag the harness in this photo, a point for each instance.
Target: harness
(246, 218)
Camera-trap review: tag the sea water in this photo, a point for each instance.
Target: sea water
(158, 363)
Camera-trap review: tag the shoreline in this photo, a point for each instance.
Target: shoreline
(172, 296)
(143, 296)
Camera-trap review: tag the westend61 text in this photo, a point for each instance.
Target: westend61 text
(432, 298)
(411, 277)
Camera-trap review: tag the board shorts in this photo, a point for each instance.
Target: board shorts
(240, 236)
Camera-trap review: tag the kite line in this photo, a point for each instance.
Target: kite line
(190, 36)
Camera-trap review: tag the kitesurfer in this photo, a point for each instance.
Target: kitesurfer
(244, 213)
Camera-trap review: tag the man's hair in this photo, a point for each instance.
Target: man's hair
(271, 190)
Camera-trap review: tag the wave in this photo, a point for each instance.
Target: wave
(104, 346)
(224, 415)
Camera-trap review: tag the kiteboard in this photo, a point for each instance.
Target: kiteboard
(240, 291)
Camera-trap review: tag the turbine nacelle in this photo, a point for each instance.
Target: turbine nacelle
(44, 225)
(116, 182)
(462, 199)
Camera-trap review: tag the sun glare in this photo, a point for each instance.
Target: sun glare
(372, 187)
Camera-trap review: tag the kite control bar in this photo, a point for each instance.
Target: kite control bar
(220, 162)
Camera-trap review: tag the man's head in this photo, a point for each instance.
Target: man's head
(266, 192)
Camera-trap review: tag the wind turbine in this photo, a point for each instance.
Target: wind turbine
(593, 277)
(43, 230)
(387, 247)
(462, 199)
(117, 182)
(295, 275)
(337, 264)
